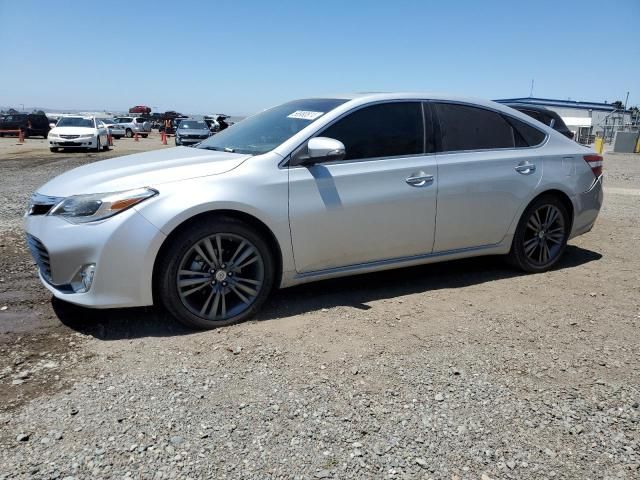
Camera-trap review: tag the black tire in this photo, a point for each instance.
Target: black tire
(128, 133)
(117, 137)
(179, 254)
(144, 135)
(98, 146)
(537, 246)
(53, 149)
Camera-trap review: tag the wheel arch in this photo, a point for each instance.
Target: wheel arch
(560, 194)
(254, 222)
(563, 197)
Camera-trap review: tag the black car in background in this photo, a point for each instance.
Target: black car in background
(544, 115)
(32, 124)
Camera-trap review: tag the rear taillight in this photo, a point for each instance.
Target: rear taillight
(595, 162)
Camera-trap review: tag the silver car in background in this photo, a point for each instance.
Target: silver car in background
(190, 132)
(309, 190)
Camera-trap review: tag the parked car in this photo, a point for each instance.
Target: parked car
(140, 109)
(128, 126)
(544, 115)
(309, 190)
(78, 132)
(190, 132)
(32, 124)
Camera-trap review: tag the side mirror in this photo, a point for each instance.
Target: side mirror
(323, 149)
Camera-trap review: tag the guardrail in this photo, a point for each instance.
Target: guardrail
(19, 132)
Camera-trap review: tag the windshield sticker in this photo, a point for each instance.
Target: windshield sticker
(305, 115)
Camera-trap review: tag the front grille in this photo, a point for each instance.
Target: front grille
(40, 255)
(42, 204)
(69, 136)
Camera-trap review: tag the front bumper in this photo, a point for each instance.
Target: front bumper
(587, 207)
(73, 142)
(123, 248)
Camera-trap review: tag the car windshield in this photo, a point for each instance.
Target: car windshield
(124, 120)
(75, 122)
(193, 125)
(263, 132)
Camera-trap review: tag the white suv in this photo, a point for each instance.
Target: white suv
(128, 126)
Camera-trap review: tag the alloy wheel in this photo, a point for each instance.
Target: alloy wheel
(544, 235)
(220, 276)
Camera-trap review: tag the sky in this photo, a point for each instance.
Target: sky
(242, 56)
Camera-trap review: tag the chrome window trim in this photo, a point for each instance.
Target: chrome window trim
(499, 112)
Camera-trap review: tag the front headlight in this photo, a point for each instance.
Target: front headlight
(53, 135)
(93, 135)
(91, 208)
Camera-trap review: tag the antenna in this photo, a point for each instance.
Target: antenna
(531, 91)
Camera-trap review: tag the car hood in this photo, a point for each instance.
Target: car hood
(142, 170)
(192, 131)
(73, 131)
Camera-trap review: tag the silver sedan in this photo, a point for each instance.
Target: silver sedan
(312, 189)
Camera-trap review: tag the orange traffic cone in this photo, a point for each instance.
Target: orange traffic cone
(164, 137)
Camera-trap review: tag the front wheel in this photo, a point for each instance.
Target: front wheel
(215, 273)
(541, 236)
(128, 133)
(98, 146)
(145, 135)
(53, 149)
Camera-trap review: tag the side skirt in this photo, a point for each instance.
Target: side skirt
(290, 279)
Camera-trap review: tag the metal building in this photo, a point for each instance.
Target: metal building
(585, 119)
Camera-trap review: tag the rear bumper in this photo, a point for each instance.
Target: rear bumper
(587, 207)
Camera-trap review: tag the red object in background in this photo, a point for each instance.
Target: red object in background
(140, 109)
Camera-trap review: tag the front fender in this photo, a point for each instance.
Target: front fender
(235, 191)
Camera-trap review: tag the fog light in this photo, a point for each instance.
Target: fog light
(84, 278)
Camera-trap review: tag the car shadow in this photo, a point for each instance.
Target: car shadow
(355, 291)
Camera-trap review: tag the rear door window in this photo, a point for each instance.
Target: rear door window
(140, 120)
(465, 127)
(525, 134)
(382, 130)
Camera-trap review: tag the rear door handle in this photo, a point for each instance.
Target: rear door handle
(526, 168)
(419, 179)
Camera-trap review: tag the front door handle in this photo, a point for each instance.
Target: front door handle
(419, 179)
(526, 168)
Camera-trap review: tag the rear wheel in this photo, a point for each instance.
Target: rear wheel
(128, 133)
(541, 236)
(215, 273)
(145, 135)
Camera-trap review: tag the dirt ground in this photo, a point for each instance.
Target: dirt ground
(465, 369)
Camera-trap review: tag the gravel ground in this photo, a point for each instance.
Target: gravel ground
(462, 370)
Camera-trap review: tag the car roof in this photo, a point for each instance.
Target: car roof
(527, 106)
(367, 97)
